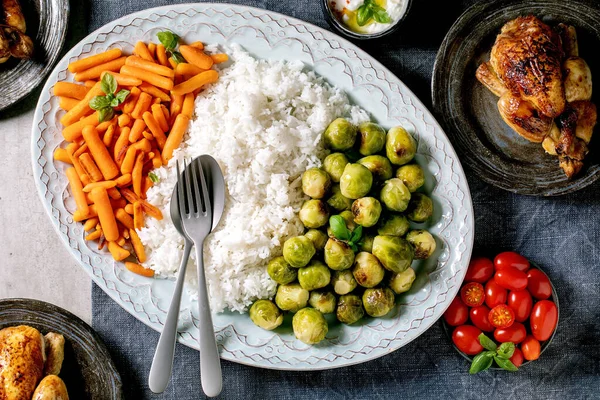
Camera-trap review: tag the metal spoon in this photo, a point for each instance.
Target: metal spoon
(162, 364)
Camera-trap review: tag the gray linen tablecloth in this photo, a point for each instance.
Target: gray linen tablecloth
(561, 234)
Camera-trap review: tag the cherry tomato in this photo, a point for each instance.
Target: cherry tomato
(479, 318)
(511, 259)
(517, 358)
(544, 318)
(494, 294)
(501, 316)
(465, 337)
(511, 278)
(515, 333)
(457, 313)
(531, 348)
(472, 294)
(480, 270)
(538, 284)
(521, 303)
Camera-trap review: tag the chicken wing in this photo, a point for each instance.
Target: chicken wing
(521, 116)
(12, 15)
(51, 388)
(487, 76)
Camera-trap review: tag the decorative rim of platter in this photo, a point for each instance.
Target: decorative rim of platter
(341, 63)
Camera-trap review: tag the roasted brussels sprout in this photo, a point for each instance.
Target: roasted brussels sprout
(356, 181)
(338, 201)
(280, 271)
(265, 314)
(309, 326)
(395, 253)
(395, 195)
(349, 309)
(400, 146)
(378, 302)
(372, 138)
(420, 208)
(343, 282)
(380, 167)
(366, 211)
(314, 214)
(338, 255)
(334, 165)
(393, 225)
(349, 218)
(315, 183)
(423, 242)
(291, 297)
(298, 251)
(402, 281)
(325, 302)
(367, 270)
(412, 176)
(314, 276)
(318, 238)
(340, 135)
(366, 243)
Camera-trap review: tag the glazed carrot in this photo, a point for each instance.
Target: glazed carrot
(124, 218)
(175, 137)
(125, 233)
(142, 105)
(123, 180)
(176, 100)
(139, 270)
(219, 58)
(105, 214)
(136, 174)
(141, 50)
(82, 108)
(148, 135)
(100, 153)
(124, 120)
(129, 160)
(72, 90)
(161, 55)
(166, 114)
(92, 61)
(138, 215)
(154, 91)
(159, 116)
(90, 167)
(129, 208)
(143, 145)
(121, 145)
(118, 252)
(152, 49)
(150, 66)
(131, 100)
(172, 62)
(147, 184)
(67, 103)
(117, 203)
(124, 80)
(108, 136)
(73, 131)
(155, 129)
(196, 57)
(82, 149)
(103, 184)
(78, 216)
(62, 155)
(157, 160)
(95, 72)
(188, 105)
(138, 247)
(136, 130)
(77, 190)
(154, 79)
(90, 224)
(196, 82)
(90, 83)
(94, 235)
(114, 194)
(71, 149)
(103, 126)
(198, 45)
(188, 69)
(148, 208)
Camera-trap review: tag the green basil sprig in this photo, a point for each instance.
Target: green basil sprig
(104, 104)
(171, 41)
(153, 177)
(341, 232)
(500, 354)
(371, 10)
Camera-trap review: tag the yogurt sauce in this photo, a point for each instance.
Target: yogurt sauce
(345, 11)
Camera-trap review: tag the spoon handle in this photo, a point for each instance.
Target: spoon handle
(162, 364)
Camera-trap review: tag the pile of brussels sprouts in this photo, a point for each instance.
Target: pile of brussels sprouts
(358, 248)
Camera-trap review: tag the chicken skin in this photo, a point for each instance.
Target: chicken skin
(51, 388)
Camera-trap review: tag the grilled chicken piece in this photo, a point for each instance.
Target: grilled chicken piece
(527, 58)
(12, 15)
(524, 118)
(586, 119)
(487, 76)
(51, 388)
(577, 79)
(568, 39)
(55, 353)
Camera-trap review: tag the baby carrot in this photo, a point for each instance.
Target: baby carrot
(61, 154)
(188, 69)
(121, 145)
(92, 61)
(188, 105)
(142, 105)
(103, 126)
(105, 214)
(129, 160)
(154, 79)
(143, 145)
(155, 129)
(67, 103)
(90, 167)
(138, 215)
(71, 149)
(141, 50)
(118, 252)
(68, 89)
(90, 83)
(103, 184)
(113, 193)
(154, 91)
(159, 116)
(78, 216)
(129, 208)
(196, 57)
(124, 218)
(116, 203)
(176, 99)
(136, 130)
(148, 208)
(73, 131)
(94, 235)
(124, 80)
(136, 174)
(95, 72)
(124, 120)
(100, 153)
(152, 49)
(77, 190)
(131, 100)
(150, 66)
(108, 135)
(123, 180)
(166, 114)
(90, 224)
(139, 270)
(175, 137)
(196, 82)
(219, 58)
(161, 55)
(83, 107)
(198, 45)
(138, 247)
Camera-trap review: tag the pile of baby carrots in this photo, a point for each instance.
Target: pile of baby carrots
(111, 161)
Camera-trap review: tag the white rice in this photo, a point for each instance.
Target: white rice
(262, 121)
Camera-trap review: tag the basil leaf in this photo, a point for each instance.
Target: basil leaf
(153, 177)
(105, 114)
(481, 362)
(114, 102)
(363, 14)
(122, 95)
(381, 16)
(357, 234)
(99, 102)
(506, 350)
(108, 84)
(487, 343)
(177, 57)
(505, 364)
(168, 39)
(338, 227)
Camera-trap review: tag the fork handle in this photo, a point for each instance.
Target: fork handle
(210, 363)
(162, 363)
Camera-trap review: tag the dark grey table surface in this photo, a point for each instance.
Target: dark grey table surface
(561, 234)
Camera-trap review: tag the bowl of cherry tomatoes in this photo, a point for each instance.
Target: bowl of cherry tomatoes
(505, 303)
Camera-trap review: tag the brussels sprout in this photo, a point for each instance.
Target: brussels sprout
(412, 176)
(402, 281)
(298, 251)
(343, 282)
(338, 255)
(380, 167)
(318, 238)
(340, 135)
(395, 195)
(395, 253)
(349, 218)
(356, 181)
(393, 225)
(400, 146)
(334, 165)
(337, 200)
(313, 213)
(280, 271)
(367, 270)
(315, 183)
(366, 211)
(378, 302)
(366, 243)
(309, 326)
(349, 309)
(325, 302)
(372, 138)
(265, 314)
(291, 297)
(314, 276)
(423, 242)
(420, 208)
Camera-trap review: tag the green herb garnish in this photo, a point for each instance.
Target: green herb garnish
(500, 354)
(341, 232)
(104, 104)
(371, 10)
(171, 41)
(153, 177)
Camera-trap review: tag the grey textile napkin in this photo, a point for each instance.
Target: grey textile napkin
(561, 234)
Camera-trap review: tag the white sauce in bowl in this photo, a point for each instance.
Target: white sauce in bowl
(345, 11)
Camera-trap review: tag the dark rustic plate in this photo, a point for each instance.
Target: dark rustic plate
(468, 110)
(88, 370)
(47, 27)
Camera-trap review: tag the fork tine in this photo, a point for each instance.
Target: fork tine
(197, 195)
(190, 200)
(180, 191)
(205, 193)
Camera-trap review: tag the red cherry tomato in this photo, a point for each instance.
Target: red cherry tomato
(517, 358)
(501, 316)
(511, 279)
(521, 303)
(531, 348)
(515, 333)
(511, 259)
(457, 313)
(544, 318)
(480, 270)
(472, 294)
(465, 337)
(538, 284)
(479, 318)
(494, 294)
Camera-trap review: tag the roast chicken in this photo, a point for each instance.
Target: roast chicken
(13, 40)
